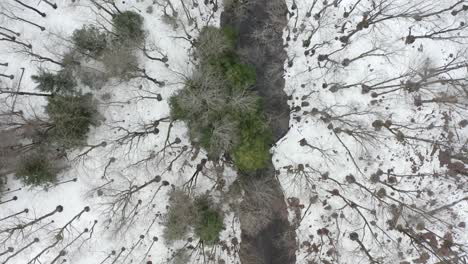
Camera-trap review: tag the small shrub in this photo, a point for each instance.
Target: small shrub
(179, 217)
(212, 118)
(90, 40)
(128, 26)
(61, 82)
(171, 20)
(253, 152)
(220, 136)
(239, 75)
(214, 42)
(184, 214)
(37, 169)
(178, 111)
(231, 34)
(71, 118)
(209, 222)
(149, 9)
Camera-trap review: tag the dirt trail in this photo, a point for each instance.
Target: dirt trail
(274, 242)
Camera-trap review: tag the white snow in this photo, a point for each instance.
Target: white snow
(129, 162)
(312, 173)
(419, 192)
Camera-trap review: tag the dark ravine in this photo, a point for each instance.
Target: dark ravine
(275, 242)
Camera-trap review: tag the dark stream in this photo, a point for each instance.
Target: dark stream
(275, 242)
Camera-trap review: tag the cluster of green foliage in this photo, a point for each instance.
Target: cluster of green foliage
(223, 114)
(184, 214)
(116, 49)
(119, 59)
(71, 117)
(240, 77)
(179, 217)
(60, 82)
(209, 221)
(128, 26)
(253, 152)
(214, 43)
(72, 113)
(90, 41)
(36, 169)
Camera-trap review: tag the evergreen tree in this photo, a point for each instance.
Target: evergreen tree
(90, 41)
(61, 82)
(71, 117)
(128, 26)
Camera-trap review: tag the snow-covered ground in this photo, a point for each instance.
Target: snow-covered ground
(124, 162)
(380, 177)
(374, 165)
